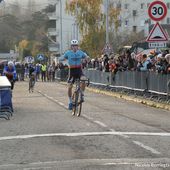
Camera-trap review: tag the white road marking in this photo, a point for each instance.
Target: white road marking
(146, 147)
(84, 134)
(87, 117)
(100, 123)
(50, 97)
(38, 168)
(121, 161)
(62, 104)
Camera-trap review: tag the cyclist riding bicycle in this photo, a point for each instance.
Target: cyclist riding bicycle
(10, 72)
(74, 57)
(32, 71)
(32, 77)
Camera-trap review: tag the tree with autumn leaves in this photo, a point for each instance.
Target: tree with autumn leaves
(91, 21)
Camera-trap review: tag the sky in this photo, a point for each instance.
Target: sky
(25, 2)
(39, 3)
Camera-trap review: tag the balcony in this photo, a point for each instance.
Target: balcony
(52, 16)
(53, 32)
(54, 47)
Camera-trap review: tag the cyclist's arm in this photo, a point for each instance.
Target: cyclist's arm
(5, 72)
(86, 57)
(63, 57)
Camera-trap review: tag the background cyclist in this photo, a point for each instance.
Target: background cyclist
(74, 57)
(10, 72)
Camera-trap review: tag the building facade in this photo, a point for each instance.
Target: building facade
(60, 26)
(134, 15)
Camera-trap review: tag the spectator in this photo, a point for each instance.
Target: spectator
(43, 72)
(143, 65)
(167, 57)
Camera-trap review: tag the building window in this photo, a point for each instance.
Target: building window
(168, 20)
(168, 5)
(126, 23)
(119, 23)
(134, 28)
(134, 13)
(148, 21)
(126, 6)
(119, 5)
(142, 6)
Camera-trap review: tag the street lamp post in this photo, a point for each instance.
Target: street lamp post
(107, 21)
(61, 26)
(61, 29)
(76, 22)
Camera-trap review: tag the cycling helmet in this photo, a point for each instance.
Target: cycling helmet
(10, 63)
(74, 42)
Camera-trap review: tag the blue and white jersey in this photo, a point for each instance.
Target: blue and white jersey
(12, 70)
(74, 58)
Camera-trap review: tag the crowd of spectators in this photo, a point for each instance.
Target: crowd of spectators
(44, 71)
(155, 61)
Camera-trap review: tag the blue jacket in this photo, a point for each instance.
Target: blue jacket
(13, 71)
(144, 66)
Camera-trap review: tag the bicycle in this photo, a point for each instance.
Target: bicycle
(31, 83)
(78, 97)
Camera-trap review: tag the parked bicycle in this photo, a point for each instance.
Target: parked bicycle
(78, 97)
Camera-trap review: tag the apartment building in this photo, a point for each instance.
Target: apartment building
(134, 15)
(55, 33)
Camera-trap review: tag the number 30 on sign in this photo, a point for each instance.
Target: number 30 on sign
(157, 10)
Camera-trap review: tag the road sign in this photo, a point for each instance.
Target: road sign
(29, 59)
(158, 45)
(40, 57)
(107, 49)
(157, 34)
(157, 10)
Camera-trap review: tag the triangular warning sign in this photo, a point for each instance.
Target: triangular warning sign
(157, 34)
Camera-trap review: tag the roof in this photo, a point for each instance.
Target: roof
(8, 56)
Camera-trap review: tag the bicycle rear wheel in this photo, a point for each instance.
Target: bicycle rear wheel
(30, 83)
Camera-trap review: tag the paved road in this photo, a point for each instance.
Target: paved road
(111, 133)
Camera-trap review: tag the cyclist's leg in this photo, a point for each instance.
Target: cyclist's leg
(12, 84)
(83, 84)
(70, 82)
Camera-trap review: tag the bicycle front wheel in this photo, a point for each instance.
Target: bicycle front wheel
(77, 104)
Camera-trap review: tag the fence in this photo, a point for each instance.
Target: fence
(150, 81)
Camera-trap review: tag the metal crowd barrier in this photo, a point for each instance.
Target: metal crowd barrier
(133, 80)
(61, 74)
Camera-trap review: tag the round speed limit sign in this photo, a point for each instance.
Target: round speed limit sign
(157, 10)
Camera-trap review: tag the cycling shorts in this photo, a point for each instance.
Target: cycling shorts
(74, 73)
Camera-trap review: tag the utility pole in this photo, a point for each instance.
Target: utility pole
(107, 21)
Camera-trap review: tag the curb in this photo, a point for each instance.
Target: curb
(129, 98)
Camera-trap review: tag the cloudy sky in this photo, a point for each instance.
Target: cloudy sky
(39, 4)
(24, 2)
